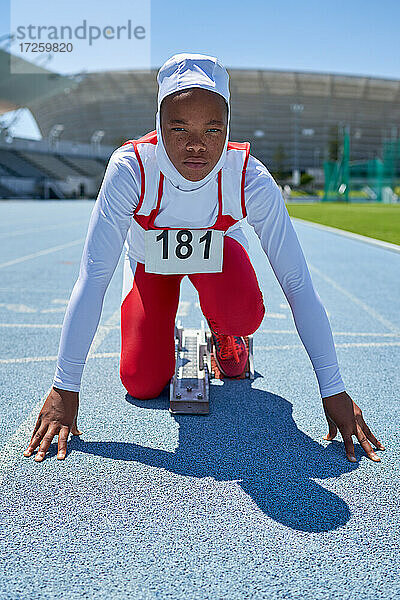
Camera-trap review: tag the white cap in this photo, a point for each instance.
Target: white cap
(183, 71)
(180, 72)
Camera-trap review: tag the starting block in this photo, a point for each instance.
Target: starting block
(194, 366)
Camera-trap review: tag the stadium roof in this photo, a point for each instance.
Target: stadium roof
(316, 84)
(281, 112)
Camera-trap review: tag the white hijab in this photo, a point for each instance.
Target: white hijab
(183, 71)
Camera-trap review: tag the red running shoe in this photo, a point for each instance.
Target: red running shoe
(231, 353)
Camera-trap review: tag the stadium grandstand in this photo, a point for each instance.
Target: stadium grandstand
(49, 167)
(292, 119)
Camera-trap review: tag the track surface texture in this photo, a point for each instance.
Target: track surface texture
(248, 502)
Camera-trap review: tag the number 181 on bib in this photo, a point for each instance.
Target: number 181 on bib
(183, 251)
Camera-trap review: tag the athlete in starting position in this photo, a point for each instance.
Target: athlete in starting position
(189, 177)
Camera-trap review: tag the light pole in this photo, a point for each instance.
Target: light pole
(95, 140)
(317, 152)
(54, 134)
(296, 109)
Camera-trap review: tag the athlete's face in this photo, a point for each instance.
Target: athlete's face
(193, 126)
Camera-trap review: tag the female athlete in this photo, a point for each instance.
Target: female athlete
(187, 175)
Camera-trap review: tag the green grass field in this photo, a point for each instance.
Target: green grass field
(380, 221)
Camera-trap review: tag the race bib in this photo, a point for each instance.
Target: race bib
(183, 251)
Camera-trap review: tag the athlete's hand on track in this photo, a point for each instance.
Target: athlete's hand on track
(57, 416)
(343, 413)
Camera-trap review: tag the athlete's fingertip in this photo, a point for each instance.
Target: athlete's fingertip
(351, 458)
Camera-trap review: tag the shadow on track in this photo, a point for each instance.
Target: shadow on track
(249, 437)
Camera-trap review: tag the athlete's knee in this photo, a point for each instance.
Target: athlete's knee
(253, 309)
(140, 386)
(253, 315)
(143, 390)
(243, 319)
(256, 317)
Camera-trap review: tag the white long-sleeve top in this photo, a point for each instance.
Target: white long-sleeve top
(112, 219)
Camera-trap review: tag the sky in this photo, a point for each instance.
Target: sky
(356, 37)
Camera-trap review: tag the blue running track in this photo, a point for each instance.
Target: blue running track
(246, 503)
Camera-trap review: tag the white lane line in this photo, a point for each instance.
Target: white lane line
(31, 291)
(11, 453)
(183, 308)
(23, 308)
(365, 344)
(30, 359)
(371, 311)
(37, 229)
(350, 234)
(102, 331)
(105, 355)
(27, 359)
(20, 308)
(32, 325)
(44, 325)
(337, 345)
(40, 253)
(268, 331)
(350, 333)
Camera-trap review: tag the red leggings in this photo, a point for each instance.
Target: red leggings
(231, 301)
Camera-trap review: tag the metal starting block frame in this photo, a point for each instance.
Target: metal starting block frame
(189, 391)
